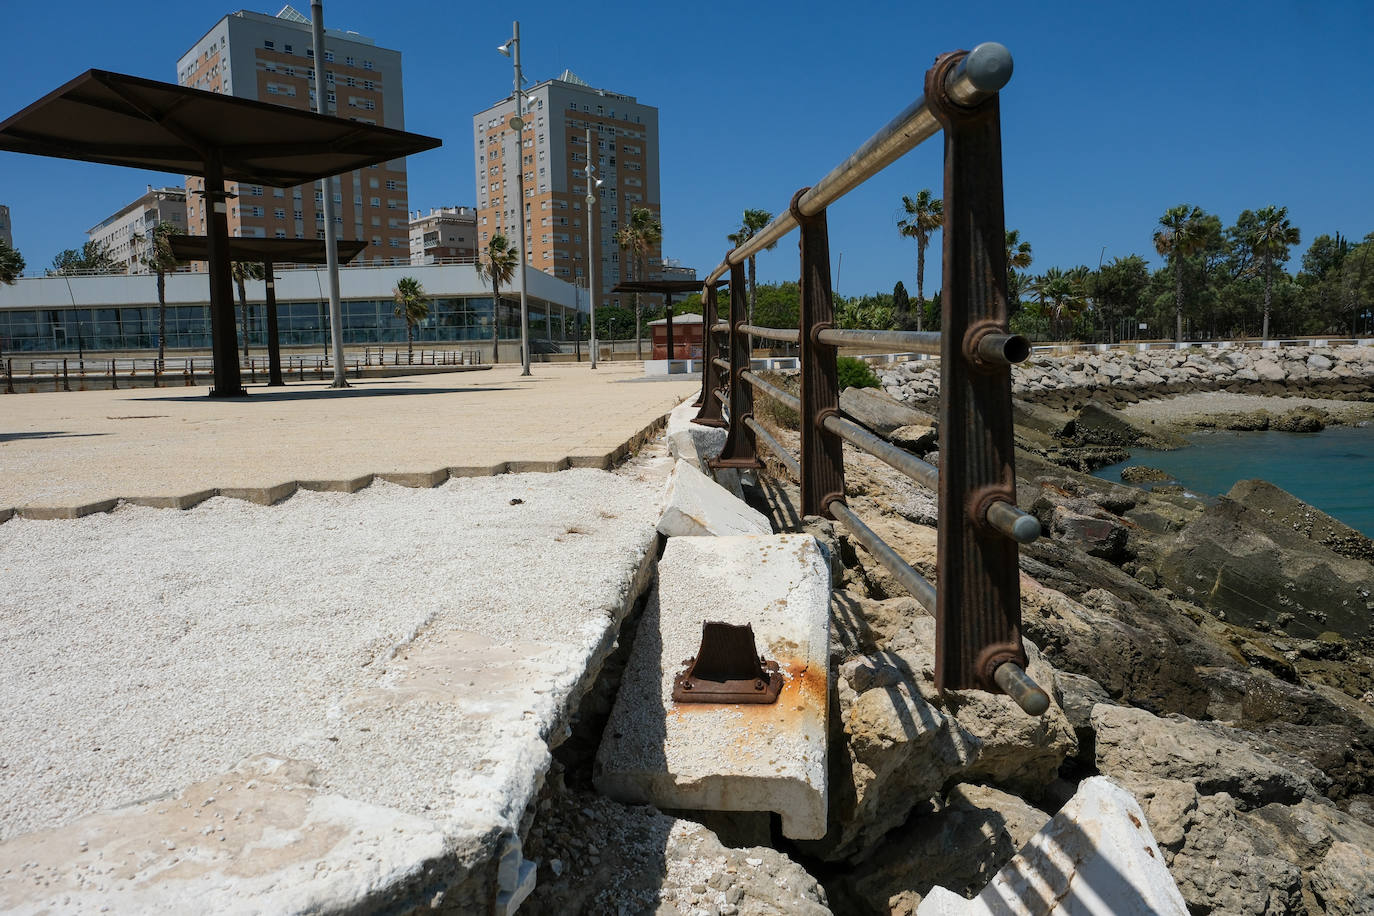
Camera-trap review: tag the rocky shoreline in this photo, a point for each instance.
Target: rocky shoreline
(1216, 660)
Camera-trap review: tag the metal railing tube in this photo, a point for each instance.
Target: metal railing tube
(721, 363)
(1013, 522)
(982, 72)
(910, 579)
(927, 342)
(1024, 691)
(1002, 349)
(772, 391)
(786, 335)
(926, 475)
(783, 454)
(720, 327)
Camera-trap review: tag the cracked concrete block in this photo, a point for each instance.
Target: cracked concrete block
(737, 757)
(420, 480)
(487, 470)
(698, 506)
(348, 485)
(184, 501)
(53, 513)
(692, 441)
(263, 496)
(1096, 856)
(538, 467)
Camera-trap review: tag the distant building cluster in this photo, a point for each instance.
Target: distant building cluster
(271, 59)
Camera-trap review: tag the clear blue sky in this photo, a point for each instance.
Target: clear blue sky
(1116, 111)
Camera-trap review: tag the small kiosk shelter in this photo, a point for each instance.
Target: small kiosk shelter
(126, 120)
(269, 252)
(667, 288)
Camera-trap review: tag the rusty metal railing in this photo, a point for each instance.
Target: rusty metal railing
(977, 601)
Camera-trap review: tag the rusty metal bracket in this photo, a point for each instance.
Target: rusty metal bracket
(727, 669)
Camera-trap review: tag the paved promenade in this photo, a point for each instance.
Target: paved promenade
(342, 702)
(66, 450)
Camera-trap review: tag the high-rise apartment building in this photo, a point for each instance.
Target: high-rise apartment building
(271, 59)
(446, 233)
(128, 233)
(554, 157)
(6, 235)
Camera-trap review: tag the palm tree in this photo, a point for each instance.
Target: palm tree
(753, 222)
(161, 261)
(412, 305)
(1180, 234)
(1018, 257)
(11, 264)
(637, 238)
(1273, 235)
(924, 215)
(241, 271)
(497, 267)
(1061, 297)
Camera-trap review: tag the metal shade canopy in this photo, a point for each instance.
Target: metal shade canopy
(126, 120)
(273, 251)
(269, 252)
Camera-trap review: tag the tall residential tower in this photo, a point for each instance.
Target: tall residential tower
(271, 59)
(559, 111)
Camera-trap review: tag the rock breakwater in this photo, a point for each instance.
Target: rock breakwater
(1123, 376)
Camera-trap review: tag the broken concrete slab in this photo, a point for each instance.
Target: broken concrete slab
(698, 506)
(880, 412)
(1096, 856)
(717, 757)
(692, 441)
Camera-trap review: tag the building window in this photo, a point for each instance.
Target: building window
(281, 233)
(279, 213)
(286, 48)
(269, 44)
(350, 62)
(329, 57)
(367, 65)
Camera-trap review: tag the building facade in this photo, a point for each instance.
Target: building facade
(119, 312)
(554, 157)
(448, 233)
(128, 233)
(6, 235)
(271, 59)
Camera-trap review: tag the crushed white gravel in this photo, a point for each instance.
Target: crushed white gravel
(144, 649)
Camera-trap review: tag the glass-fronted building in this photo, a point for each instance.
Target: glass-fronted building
(55, 314)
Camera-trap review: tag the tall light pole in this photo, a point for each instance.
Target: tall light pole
(331, 237)
(517, 123)
(591, 226)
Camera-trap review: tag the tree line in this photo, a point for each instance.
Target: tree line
(1216, 281)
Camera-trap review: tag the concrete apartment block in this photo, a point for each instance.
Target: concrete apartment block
(128, 232)
(6, 234)
(446, 233)
(1096, 857)
(717, 757)
(625, 154)
(270, 59)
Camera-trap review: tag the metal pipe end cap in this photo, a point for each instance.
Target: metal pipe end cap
(988, 66)
(1026, 529)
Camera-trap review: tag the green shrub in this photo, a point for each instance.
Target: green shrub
(855, 373)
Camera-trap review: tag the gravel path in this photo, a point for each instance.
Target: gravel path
(1178, 410)
(144, 649)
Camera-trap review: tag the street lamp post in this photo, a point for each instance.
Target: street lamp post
(331, 236)
(517, 123)
(591, 227)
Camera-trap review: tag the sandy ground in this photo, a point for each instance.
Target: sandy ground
(1179, 410)
(70, 448)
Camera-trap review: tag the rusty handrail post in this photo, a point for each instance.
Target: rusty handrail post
(740, 451)
(709, 414)
(822, 452)
(978, 610)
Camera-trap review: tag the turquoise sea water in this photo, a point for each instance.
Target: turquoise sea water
(1332, 470)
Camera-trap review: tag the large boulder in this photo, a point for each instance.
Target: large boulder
(1287, 510)
(881, 412)
(1244, 566)
(1131, 743)
(957, 842)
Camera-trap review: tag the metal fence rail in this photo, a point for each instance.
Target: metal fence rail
(977, 602)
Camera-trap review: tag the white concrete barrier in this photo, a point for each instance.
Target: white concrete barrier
(1096, 857)
(718, 757)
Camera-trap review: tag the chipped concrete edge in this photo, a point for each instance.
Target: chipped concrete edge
(267, 496)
